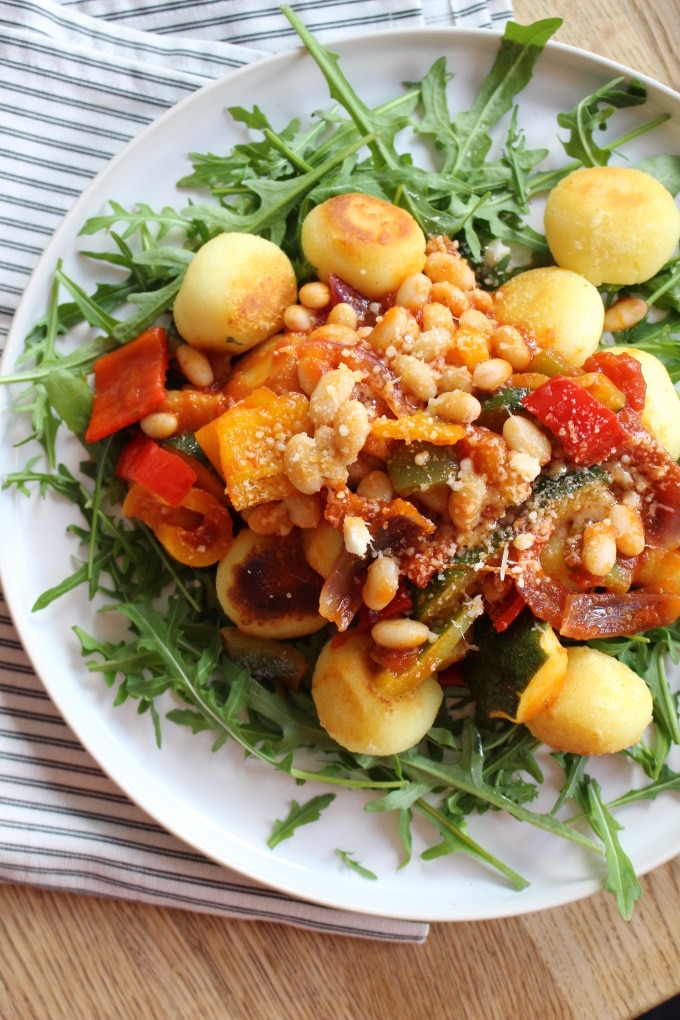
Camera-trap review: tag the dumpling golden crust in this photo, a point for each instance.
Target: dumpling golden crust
(614, 225)
(604, 707)
(234, 293)
(266, 587)
(356, 714)
(562, 309)
(369, 243)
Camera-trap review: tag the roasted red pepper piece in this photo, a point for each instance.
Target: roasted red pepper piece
(588, 431)
(157, 469)
(624, 371)
(129, 383)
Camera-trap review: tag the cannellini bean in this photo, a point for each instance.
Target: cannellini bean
(305, 511)
(454, 377)
(437, 316)
(416, 376)
(455, 299)
(433, 343)
(343, 314)
(297, 319)
(270, 519)
(376, 485)
(382, 582)
(523, 436)
(598, 551)
(301, 464)
(331, 392)
(315, 294)
(490, 375)
(449, 267)
(351, 426)
(400, 633)
(629, 532)
(195, 365)
(414, 291)
(394, 329)
(159, 425)
(509, 344)
(455, 406)
(624, 314)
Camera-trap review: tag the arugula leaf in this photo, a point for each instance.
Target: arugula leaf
(511, 71)
(592, 113)
(621, 879)
(299, 814)
(349, 860)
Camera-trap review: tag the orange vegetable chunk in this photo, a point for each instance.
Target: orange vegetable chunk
(252, 436)
(419, 426)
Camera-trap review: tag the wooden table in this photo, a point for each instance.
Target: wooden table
(79, 957)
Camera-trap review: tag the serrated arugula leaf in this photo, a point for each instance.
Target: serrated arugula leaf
(621, 879)
(299, 814)
(592, 113)
(355, 865)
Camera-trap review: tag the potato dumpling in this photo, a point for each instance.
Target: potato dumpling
(356, 714)
(661, 413)
(234, 293)
(266, 587)
(369, 243)
(563, 311)
(612, 224)
(604, 707)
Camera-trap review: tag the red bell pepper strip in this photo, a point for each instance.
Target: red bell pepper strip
(129, 383)
(588, 431)
(157, 469)
(503, 615)
(624, 371)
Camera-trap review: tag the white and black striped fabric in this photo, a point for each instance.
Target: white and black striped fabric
(78, 79)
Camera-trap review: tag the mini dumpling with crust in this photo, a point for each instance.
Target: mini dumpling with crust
(356, 713)
(368, 242)
(614, 225)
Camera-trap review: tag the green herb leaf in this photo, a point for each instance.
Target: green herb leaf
(299, 814)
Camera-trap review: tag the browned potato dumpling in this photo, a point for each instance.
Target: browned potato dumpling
(369, 243)
(234, 293)
(604, 707)
(661, 413)
(354, 712)
(560, 308)
(266, 587)
(612, 224)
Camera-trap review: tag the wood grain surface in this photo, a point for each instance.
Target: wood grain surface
(81, 957)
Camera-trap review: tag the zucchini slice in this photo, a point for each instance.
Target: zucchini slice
(517, 673)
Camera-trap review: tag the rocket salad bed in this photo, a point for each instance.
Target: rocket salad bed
(266, 188)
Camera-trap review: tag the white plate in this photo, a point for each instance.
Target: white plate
(218, 803)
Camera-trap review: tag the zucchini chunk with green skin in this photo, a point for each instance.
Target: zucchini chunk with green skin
(359, 716)
(517, 673)
(273, 661)
(604, 706)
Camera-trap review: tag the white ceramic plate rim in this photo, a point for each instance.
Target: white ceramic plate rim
(307, 866)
